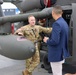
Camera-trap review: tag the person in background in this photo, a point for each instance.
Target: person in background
(32, 32)
(42, 22)
(58, 41)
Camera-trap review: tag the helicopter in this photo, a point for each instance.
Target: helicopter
(42, 9)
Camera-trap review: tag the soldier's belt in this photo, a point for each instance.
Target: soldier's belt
(36, 42)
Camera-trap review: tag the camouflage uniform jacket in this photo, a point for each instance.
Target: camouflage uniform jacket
(32, 32)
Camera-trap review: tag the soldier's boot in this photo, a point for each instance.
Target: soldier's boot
(25, 72)
(30, 73)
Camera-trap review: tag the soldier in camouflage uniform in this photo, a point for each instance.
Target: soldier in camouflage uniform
(31, 32)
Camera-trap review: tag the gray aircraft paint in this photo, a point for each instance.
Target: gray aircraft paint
(16, 47)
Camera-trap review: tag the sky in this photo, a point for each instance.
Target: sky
(8, 5)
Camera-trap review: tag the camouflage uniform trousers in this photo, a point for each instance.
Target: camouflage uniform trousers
(34, 61)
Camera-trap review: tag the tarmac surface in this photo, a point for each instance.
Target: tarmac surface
(15, 67)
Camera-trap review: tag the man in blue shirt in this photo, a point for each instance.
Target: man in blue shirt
(57, 42)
